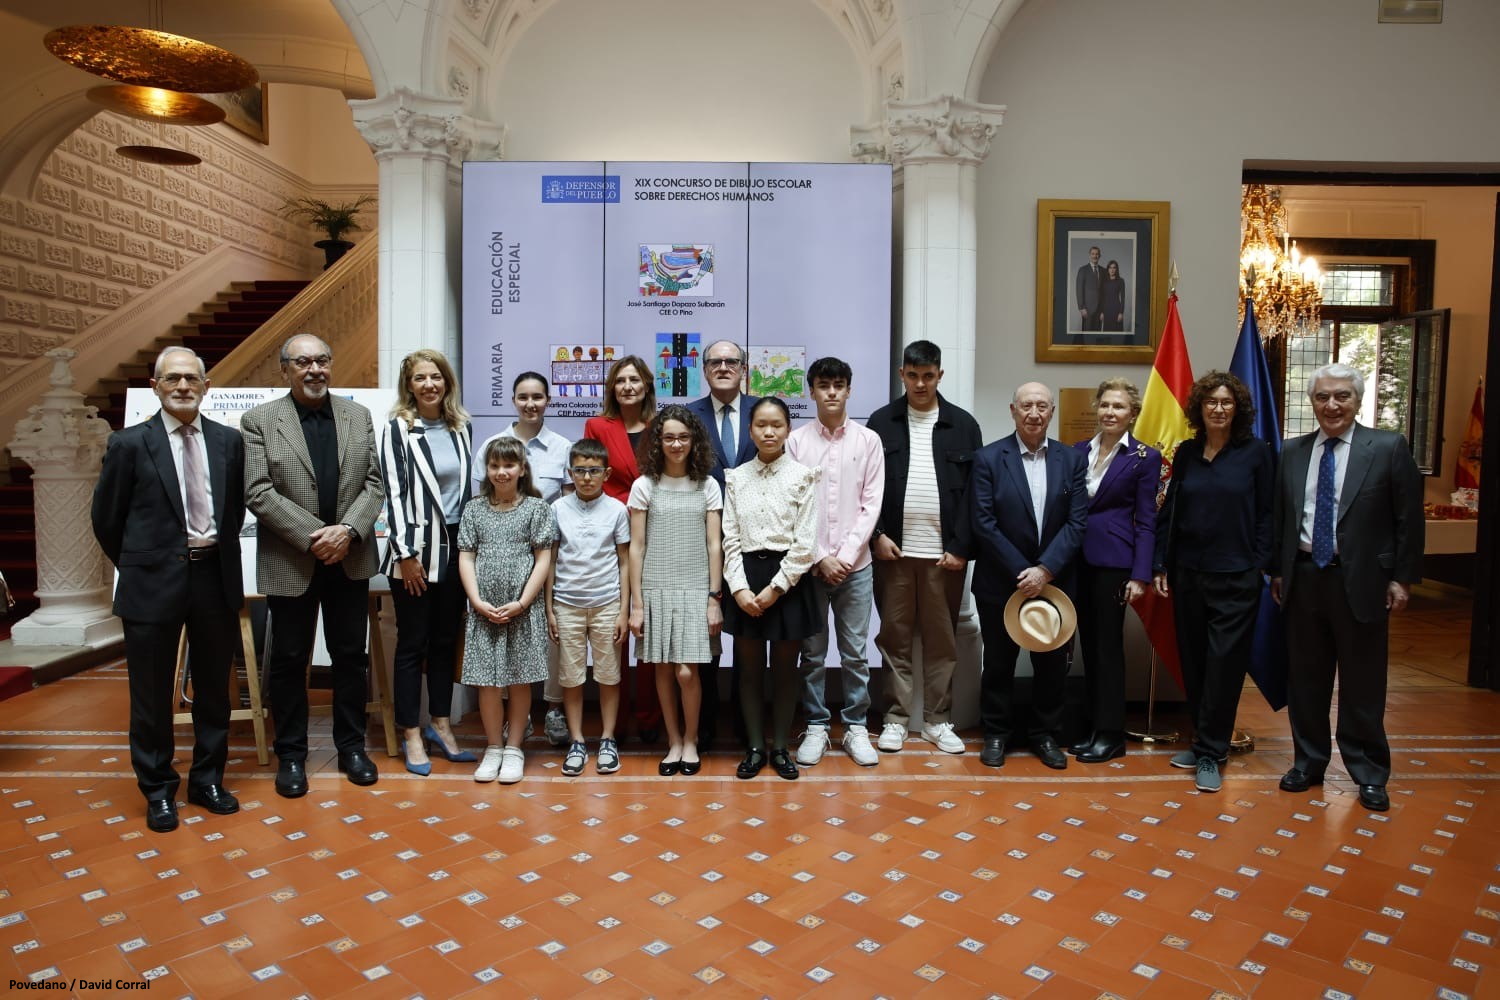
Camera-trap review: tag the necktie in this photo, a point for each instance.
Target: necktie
(200, 522)
(726, 434)
(1322, 534)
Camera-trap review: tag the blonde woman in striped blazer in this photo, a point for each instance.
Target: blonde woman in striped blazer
(427, 468)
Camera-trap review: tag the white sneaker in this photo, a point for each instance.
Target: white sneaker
(512, 765)
(892, 737)
(857, 746)
(489, 765)
(814, 742)
(942, 734)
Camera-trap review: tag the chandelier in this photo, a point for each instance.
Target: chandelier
(1282, 284)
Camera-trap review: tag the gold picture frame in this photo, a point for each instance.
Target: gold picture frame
(1087, 311)
(247, 111)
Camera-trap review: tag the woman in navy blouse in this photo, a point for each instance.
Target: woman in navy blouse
(1213, 542)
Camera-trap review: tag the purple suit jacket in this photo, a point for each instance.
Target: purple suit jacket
(1121, 530)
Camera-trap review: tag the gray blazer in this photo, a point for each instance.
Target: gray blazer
(1380, 528)
(283, 495)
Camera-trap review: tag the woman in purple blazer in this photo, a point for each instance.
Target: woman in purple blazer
(1116, 566)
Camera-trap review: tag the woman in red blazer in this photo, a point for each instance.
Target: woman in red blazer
(1115, 569)
(629, 405)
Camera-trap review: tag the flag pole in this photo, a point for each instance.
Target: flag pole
(1149, 735)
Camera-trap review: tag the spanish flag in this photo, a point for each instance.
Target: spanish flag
(1163, 424)
(1466, 474)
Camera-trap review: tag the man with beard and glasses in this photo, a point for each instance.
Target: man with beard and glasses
(313, 483)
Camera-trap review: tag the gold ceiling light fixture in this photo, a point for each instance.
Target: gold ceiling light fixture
(145, 57)
(1284, 285)
(152, 104)
(164, 156)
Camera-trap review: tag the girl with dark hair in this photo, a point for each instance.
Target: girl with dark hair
(770, 531)
(1213, 542)
(505, 552)
(675, 561)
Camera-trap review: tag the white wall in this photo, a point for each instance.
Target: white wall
(1155, 100)
(313, 136)
(651, 80)
(1462, 221)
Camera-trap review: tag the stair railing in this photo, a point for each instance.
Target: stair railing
(340, 306)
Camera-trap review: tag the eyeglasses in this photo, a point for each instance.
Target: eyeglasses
(676, 439)
(303, 364)
(177, 378)
(587, 471)
(722, 362)
(1218, 404)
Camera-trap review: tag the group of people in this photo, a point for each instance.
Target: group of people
(678, 525)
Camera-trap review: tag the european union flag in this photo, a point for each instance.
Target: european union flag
(1268, 663)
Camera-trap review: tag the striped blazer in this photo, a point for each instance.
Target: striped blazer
(413, 497)
(283, 495)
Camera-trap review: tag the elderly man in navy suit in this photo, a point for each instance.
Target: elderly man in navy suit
(1028, 503)
(1347, 536)
(725, 411)
(168, 509)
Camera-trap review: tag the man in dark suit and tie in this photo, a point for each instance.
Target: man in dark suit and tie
(167, 511)
(1090, 285)
(725, 412)
(313, 483)
(1028, 504)
(1348, 533)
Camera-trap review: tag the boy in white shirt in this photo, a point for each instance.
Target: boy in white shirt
(588, 600)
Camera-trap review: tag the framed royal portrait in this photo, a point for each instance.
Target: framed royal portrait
(1101, 280)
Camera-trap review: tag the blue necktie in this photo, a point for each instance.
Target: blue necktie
(1322, 534)
(726, 434)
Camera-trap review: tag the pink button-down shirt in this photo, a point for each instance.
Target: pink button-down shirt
(851, 486)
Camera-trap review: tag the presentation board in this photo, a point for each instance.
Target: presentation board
(569, 266)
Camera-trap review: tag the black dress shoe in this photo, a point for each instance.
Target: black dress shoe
(1105, 748)
(1298, 780)
(782, 763)
(751, 765)
(1049, 753)
(214, 799)
(161, 815)
(291, 779)
(1083, 744)
(358, 767)
(993, 754)
(667, 768)
(1374, 798)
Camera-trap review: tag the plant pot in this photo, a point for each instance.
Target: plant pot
(333, 250)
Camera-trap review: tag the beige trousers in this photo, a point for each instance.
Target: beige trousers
(915, 598)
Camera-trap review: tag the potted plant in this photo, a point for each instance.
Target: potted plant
(335, 220)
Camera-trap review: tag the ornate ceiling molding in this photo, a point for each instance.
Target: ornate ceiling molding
(941, 129)
(404, 122)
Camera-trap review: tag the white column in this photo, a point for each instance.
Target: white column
(937, 145)
(420, 143)
(63, 440)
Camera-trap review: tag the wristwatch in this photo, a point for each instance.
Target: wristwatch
(717, 595)
(353, 535)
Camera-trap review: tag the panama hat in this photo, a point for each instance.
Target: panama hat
(1041, 623)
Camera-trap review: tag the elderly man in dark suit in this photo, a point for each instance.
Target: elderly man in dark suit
(1029, 504)
(313, 483)
(1348, 533)
(167, 511)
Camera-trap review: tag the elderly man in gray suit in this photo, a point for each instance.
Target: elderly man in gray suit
(1347, 538)
(313, 483)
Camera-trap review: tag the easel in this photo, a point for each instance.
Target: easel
(380, 692)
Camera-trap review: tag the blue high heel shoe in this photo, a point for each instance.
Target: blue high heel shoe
(435, 745)
(423, 769)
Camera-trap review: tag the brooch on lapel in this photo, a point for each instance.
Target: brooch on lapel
(1140, 450)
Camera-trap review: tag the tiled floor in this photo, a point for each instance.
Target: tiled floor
(928, 874)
